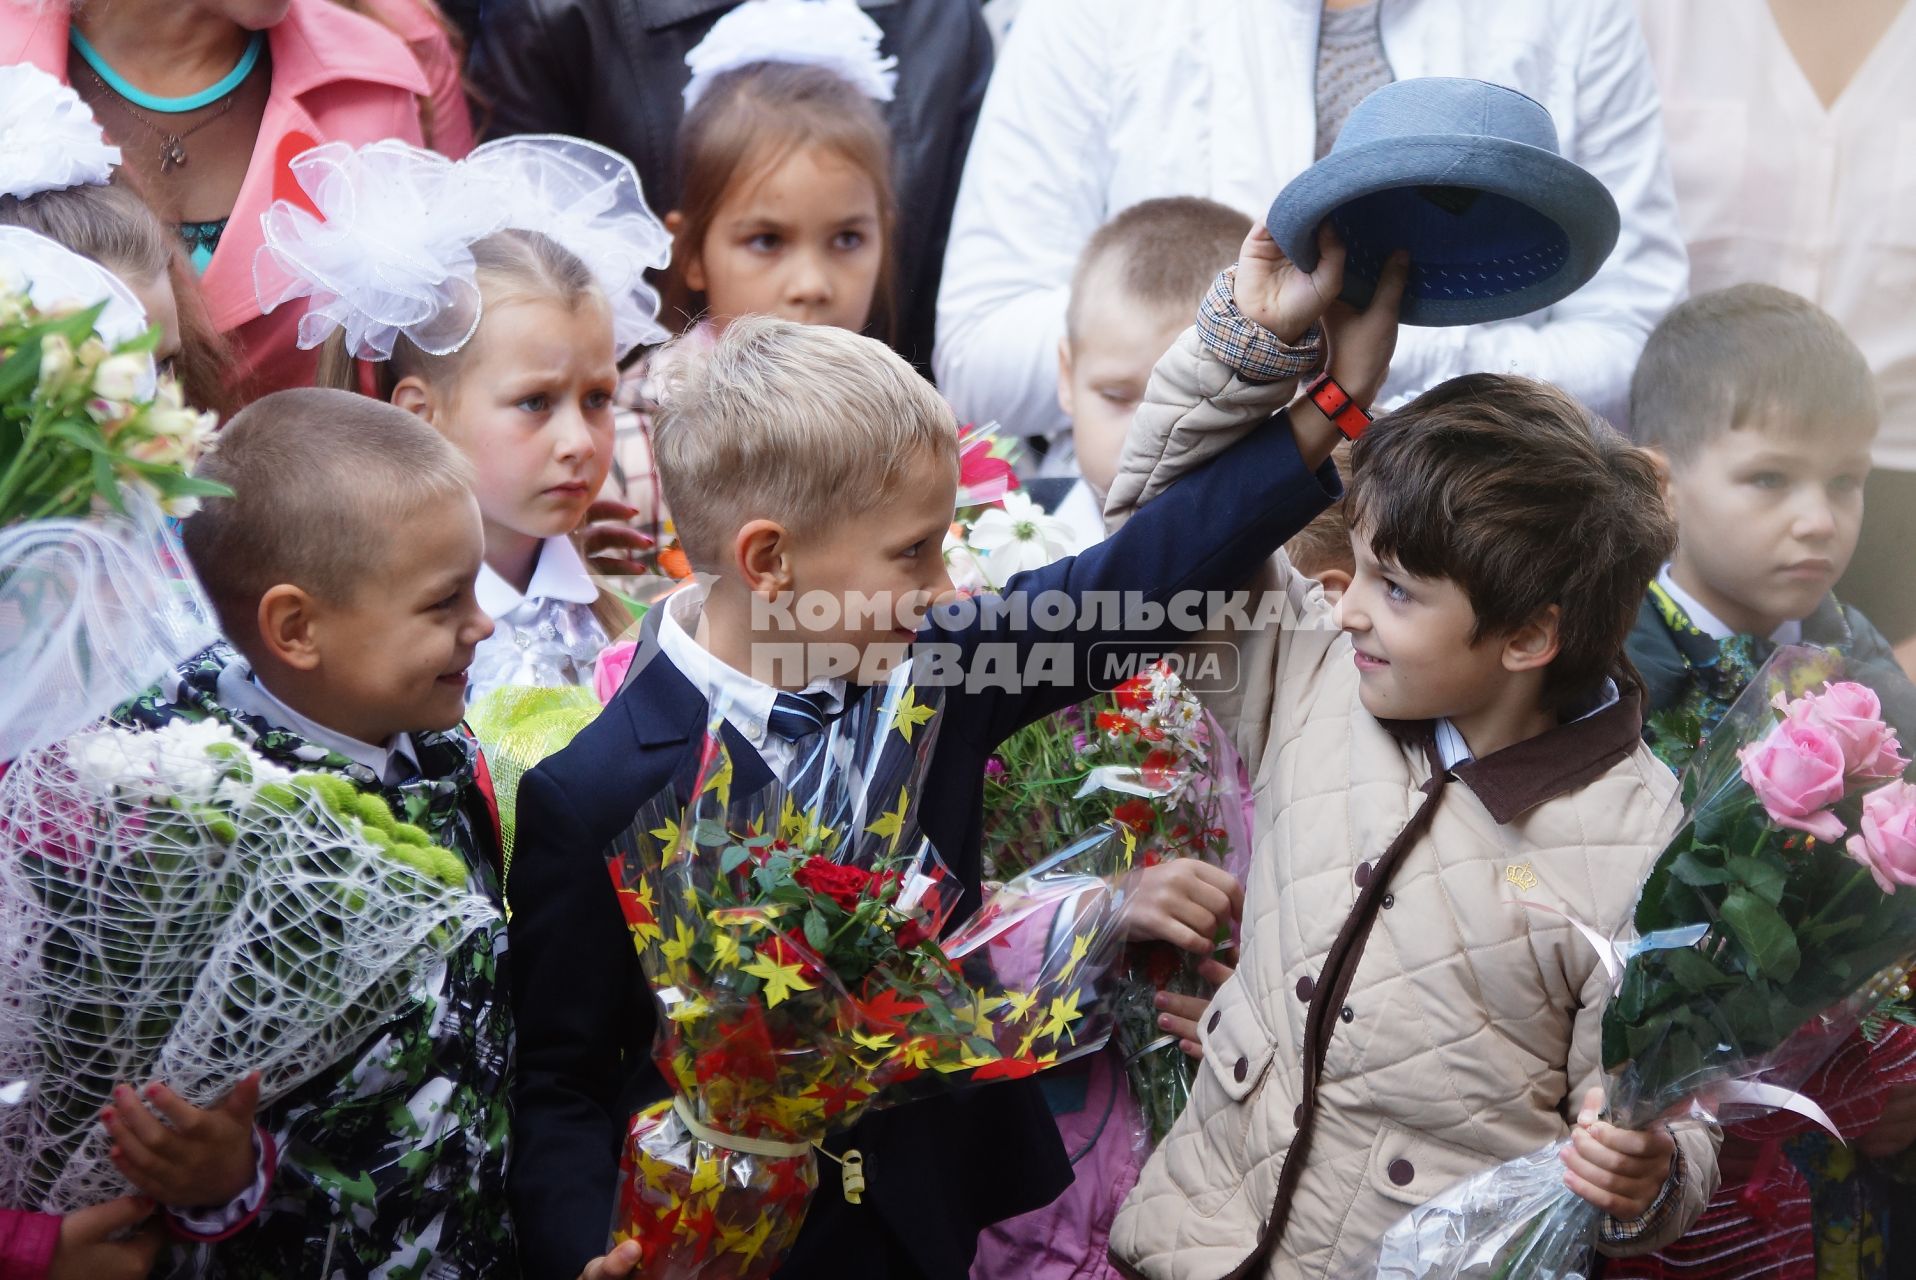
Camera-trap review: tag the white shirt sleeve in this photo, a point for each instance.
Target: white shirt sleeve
(1033, 192)
(1589, 342)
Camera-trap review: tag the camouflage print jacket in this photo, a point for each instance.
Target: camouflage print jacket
(393, 1163)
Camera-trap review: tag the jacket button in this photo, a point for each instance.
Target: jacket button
(1215, 1019)
(1390, 901)
(1362, 875)
(1304, 988)
(1348, 1014)
(1401, 1172)
(1242, 1069)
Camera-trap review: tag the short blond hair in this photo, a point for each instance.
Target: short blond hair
(1161, 255)
(319, 479)
(801, 424)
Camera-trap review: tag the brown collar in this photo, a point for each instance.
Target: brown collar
(1523, 775)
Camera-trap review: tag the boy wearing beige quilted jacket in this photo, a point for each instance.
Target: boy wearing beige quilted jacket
(1446, 767)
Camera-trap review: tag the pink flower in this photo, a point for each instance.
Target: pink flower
(609, 673)
(1852, 715)
(1797, 772)
(994, 767)
(1885, 839)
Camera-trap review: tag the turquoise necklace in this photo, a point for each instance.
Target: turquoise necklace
(172, 144)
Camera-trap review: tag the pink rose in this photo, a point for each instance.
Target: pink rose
(1885, 839)
(609, 673)
(1852, 715)
(1797, 772)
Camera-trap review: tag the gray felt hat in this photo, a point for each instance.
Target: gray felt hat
(1467, 177)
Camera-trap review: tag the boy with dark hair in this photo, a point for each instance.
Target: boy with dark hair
(1761, 412)
(342, 569)
(1454, 745)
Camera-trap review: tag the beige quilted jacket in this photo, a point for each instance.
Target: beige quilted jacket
(1470, 1026)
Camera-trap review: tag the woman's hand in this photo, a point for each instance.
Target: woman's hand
(620, 1263)
(185, 1157)
(112, 1241)
(609, 539)
(1184, 902)
(1181, 1015)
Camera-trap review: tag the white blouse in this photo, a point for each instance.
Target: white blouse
(1774, 187)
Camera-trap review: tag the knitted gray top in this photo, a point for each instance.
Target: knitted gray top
(1350, 66)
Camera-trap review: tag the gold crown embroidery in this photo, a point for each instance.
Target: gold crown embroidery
(1522, 876)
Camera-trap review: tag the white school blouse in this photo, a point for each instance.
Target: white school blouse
(1774, 187)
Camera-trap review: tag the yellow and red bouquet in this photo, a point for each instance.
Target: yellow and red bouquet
(794, 938)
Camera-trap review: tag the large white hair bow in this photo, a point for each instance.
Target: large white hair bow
(834, 34)
(49, 140)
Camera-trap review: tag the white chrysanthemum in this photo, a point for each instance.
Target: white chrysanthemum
(1018, 537)
(961, 562)
(49, 140)
(101, 760)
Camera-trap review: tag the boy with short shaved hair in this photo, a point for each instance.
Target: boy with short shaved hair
(1137, 284)
(342, 569)
(1453, 745)
(1761, 411)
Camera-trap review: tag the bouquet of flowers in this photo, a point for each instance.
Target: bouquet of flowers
(93, 604)
(791, 935)
(174, 906)
(1769, 928)
(1147, 756)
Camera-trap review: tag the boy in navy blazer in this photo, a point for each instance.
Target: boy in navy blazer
(812, 474)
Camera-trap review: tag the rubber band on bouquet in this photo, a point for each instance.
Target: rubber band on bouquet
(851, 1165)
(1769, 1097)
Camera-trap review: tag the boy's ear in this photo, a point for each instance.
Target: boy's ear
(1535, 644)
(693, 268)
(763, 552)
(1066, 401)
(1335, 583)
(288, 618)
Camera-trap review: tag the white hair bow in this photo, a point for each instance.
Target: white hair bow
(834, 34)
(49, 140)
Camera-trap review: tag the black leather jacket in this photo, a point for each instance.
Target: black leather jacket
(613, 71)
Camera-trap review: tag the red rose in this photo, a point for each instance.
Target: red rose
(827, 879)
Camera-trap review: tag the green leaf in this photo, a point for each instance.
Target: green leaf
(21, 371)
(734, 858)
(1763, 877)
(1696, 866)
(1695, 973)
(816, 932)
(1763, 934)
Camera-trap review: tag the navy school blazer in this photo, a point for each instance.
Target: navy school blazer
(938, 1171)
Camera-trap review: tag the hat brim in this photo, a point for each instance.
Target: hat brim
(1556, 224)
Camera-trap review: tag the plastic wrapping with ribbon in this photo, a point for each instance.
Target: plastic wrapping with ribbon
(794, 934)
(1774, 924)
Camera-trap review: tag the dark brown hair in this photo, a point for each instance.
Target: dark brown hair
(1525, 499)
(305, 460)
(749, 120)
(1164, 254)
(113, 226)
(1751, 352)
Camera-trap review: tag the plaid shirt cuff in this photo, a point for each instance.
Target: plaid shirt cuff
(1254, 352)
(1625, 1230)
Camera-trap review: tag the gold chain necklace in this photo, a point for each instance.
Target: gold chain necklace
(172, 145)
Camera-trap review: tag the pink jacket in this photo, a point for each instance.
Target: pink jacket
(337, 76)
(27, 1242)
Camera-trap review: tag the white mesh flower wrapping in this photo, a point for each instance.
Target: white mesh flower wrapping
(174, 907)
(91, 613)
(390, 253)
(49, 140)
(834, 34)
(588, 199)
(55, 278)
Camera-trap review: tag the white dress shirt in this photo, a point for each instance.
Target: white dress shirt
(1082, 514)
(240, 690)
(745, 703)
(1775, 187)
(1098, 104)
(546, 637)
(1709, 624)
(1453, 750)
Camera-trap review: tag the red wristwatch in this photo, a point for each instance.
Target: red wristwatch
(1336, 404)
